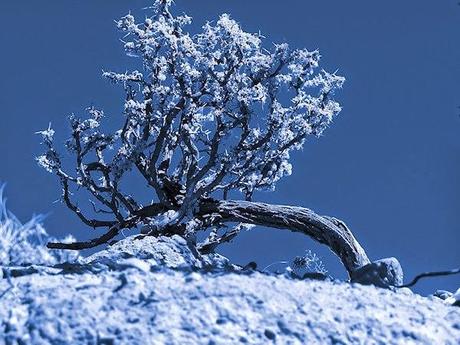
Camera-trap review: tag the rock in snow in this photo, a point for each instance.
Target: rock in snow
(157, 291)
(454, 299)
(382, 273)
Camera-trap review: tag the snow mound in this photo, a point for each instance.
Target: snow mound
(159, 252)
(158, 291)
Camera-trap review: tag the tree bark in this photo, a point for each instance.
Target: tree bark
(326, 230)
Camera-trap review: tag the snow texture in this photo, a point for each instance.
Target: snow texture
(158, 291)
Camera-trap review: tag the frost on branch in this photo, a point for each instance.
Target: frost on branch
(206, 115)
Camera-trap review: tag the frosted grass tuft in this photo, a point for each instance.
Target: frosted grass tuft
(25, 243)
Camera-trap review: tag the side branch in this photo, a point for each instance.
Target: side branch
(114, 230)
(325, 230)
(105, 238)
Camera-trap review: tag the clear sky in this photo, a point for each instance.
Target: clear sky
(389, 166)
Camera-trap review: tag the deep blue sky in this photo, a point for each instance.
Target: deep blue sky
(389, 165)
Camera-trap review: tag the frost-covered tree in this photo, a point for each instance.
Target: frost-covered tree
(208, 117)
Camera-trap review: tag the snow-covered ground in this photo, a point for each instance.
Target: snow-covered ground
(155, 291)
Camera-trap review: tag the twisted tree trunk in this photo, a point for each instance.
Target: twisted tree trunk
(326, 230)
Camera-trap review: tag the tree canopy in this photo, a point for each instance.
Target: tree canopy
(206, 116)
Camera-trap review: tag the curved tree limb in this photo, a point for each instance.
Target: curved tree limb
(325, 230)
(114, 229)
(105, 238)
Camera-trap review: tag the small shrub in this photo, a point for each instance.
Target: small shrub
(301, 265)
(308, 263)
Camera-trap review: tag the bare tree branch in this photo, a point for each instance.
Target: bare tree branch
(297, 219)
(113, 231)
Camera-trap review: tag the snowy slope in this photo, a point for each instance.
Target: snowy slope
(155, 291)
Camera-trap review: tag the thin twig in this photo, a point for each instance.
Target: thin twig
(275, 263)
(430, 274)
